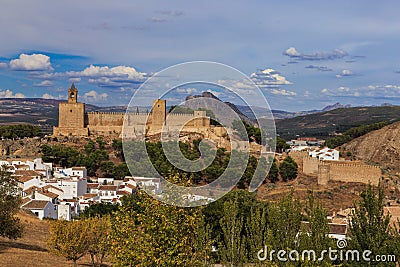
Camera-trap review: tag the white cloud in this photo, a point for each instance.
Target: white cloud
(45, 83)
(268, 78)
(186, 90)
(335, 54)
(93, 96)
(214, 92)
(283, 92)
(9, 94)
(47, 96)
(3, 65)
(34, 62)
(324, 91)
(346, 73)
(110, 76)
(75, 79)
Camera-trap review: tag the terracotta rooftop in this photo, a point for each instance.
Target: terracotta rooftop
(122, 192)
(92, 185)
(78, 168)
(27, 173)
(35, 204)
(108, 187)
(29, 190)
(52, 186)
(24, 178)
(49, 194)
(87, 195)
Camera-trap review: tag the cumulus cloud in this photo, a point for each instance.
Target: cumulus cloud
(371, 91)
(335, 54)
(189, 91)
(268, 78)
(320, 68)
(9, 94)
(346, 73)
(34, 62)
(3, 65)
(110, 76)
(283, 92)
(93, 96)
(45, 83)
(48, 96)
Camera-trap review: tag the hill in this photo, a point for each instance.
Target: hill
(31, 249)
(38, 111)
(329, 123)
(380, 147)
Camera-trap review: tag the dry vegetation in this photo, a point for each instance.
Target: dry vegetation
(335, 196)
(31, 249)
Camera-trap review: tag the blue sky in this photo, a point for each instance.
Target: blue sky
(303, 54)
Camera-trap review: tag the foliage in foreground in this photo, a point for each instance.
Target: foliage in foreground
(10, 200)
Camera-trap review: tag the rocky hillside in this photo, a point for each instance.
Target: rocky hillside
(377, 147)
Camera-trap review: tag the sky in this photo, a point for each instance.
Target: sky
(303, 55)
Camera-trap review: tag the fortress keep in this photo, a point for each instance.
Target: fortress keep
(73, 120)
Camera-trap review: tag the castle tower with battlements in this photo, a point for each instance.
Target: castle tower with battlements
(73, 120)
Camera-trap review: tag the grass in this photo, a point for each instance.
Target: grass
(31, 249)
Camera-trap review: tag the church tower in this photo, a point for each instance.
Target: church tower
(72, 94)
(71, 115)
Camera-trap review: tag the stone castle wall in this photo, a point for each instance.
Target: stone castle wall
(345, 171)
(74, 121)
(355, 172)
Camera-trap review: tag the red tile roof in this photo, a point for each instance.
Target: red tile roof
(35, 204)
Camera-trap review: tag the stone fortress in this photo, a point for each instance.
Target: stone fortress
(333, 170)
(75, 121)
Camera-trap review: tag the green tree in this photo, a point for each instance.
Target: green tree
(314, 235)
(284, 223)
(369, 225)
(281, 145)
(273, 172)
(10, 200)
(233, 247)
(99, 245)
(146, 232)
(288, 169)
(69, 239)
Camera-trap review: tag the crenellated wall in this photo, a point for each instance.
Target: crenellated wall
(345, 171)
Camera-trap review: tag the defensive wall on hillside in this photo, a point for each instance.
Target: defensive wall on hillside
(345, 171)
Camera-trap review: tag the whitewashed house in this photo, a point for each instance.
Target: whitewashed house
(41, 208)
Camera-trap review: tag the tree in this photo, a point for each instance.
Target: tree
(314, 235)
(147, 232)
(10, 225)
(69, 239)
(273, 172)
(233, 247)
(99, 244)
(284, 223)
(369, 225)
(281, 145)
(288, 169)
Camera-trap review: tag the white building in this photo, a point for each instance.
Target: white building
(325, 153)
(41, 208)
(72, 187)
(80, 172)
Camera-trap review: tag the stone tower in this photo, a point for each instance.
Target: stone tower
(71, 115)
(159, 113)
(72, 94)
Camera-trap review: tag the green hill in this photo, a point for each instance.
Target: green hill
(327, 124)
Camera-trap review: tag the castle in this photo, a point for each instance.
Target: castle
(73, 120)
(334, 170)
